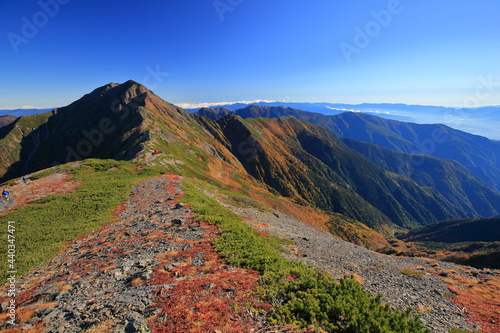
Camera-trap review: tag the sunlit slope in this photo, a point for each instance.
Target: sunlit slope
(308, 163)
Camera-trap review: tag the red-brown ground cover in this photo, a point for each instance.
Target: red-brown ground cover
(480, 299)
(193, 290)
(23, 194)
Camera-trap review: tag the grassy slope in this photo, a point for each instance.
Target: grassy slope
(301, 294)
(43, 227)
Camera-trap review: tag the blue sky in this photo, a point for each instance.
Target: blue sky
(417, 52)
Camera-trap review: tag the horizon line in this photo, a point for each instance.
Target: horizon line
(195, 105)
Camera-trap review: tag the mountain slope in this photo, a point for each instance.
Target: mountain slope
(455, 231)
(306, 162)
(161, 267)
(285, 155)
(451, 179)
(14, 146)
(149, 131)
(478, 154)
(125, 296)
(5, 120)
(119, 121)
(103, 124)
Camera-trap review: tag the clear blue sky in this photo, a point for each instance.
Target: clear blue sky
(427, 52)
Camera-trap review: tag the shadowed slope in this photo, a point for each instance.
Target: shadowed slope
(479, 155)
(451, 179)
(306, 162)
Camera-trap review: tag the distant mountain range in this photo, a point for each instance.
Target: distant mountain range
(483, 121)
(479, 155)
(22, 112)
(289, 156)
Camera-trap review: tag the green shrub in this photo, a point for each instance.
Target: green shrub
(301, 294)
(456, 330)
(410, 272)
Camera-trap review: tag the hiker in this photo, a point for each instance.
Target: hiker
(5, 193)
(25, 180)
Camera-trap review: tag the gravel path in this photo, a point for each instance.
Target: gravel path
(378, 273)
(153, 270)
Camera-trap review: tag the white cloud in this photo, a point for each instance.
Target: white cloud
(207, 105)
(35, 107)
(341, 109)
(358, 111)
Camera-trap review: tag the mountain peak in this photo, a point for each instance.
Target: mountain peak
(130, 88)
(132, 85)
(104, 88)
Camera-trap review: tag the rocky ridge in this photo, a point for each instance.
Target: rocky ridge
(404, 282)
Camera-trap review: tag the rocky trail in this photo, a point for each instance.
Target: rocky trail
(152, 270)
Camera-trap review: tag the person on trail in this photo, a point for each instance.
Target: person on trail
(25, 180)
(5, 193)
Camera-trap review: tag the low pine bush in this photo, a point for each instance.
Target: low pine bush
(301, 295)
